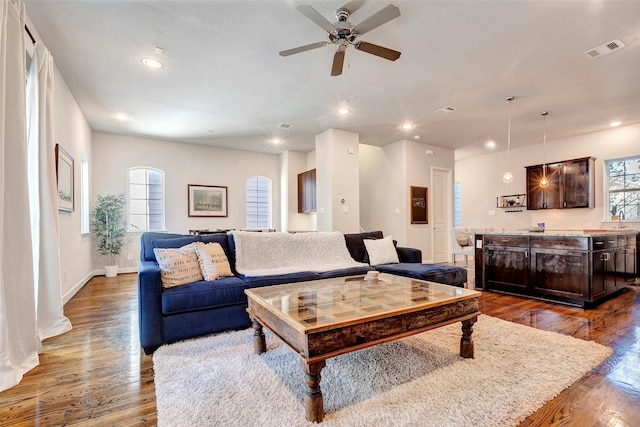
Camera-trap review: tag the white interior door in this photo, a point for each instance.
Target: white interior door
(441, 212)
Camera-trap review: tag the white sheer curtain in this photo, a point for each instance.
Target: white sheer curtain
(19, 342)
(30, 295)
(44, 197)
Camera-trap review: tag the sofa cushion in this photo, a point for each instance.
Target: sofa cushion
(279, 279)
(146, 243)
(439, 273)
(381, 251)
(176, 242)
(355, 244)
(213, 261)
(223, 240)
(203, 295)
(355, 271)
(178, 266)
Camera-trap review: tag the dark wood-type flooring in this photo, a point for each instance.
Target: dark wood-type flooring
(97, 375)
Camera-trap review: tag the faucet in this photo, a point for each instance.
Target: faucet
(620, 218)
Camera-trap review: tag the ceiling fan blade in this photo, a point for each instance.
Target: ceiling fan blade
(374, 21)
(318, 19)
(380, 51)
(338, 61)
(302, 48)
(353, 6)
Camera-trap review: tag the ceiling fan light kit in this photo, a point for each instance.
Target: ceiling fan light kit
(343, 33)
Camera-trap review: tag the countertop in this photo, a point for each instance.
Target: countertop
(565, 233)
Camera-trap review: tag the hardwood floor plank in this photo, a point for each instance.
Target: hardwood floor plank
(97, 375)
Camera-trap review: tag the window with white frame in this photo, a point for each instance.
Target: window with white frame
(624, 188)
(85, 222)
(146, 199)
(457, 206)
(258, 202)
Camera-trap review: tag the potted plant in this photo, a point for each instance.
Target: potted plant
(614, 213)
(109, 226)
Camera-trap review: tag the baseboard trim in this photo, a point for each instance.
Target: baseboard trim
(76, 288)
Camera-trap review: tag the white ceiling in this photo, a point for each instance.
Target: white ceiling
(224, 84)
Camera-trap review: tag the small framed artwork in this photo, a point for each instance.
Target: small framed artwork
(207, 200)
(64, 176)
(419, 205)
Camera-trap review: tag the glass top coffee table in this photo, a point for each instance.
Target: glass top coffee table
(326, 318)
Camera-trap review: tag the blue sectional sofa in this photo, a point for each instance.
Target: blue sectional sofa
(204, 307)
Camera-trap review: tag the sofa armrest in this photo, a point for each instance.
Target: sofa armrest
(409, 254)
(150, 305)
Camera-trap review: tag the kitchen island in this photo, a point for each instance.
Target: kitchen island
(573, 267)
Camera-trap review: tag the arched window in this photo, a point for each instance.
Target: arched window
(258, 202)
(146, 199)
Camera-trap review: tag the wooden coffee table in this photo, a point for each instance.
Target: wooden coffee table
(326, 318)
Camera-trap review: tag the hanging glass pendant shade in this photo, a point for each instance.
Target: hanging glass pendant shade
(544, 181)
(508, 176)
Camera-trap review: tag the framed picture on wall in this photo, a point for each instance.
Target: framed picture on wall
(64, 176)
(419, 205)
(207, 200)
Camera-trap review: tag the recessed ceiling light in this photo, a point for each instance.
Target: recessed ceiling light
(614, 124)
(276, 141)
(151, 63)
(416, 137)
(407, 126)
(344, 110)
(121, 116)
(490, 144)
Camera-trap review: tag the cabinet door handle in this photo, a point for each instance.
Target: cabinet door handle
(605, 256)
(526, 254)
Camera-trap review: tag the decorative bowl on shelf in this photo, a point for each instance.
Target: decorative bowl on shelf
(534, 229)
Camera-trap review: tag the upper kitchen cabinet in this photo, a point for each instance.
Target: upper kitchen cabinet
(571, 185)
(307, 191)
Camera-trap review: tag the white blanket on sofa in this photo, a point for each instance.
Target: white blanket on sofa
(266, 254)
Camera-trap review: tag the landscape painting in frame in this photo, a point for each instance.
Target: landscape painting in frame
(207, 200)
(64, 175)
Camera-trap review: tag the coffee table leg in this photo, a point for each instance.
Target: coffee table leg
(466, 341)
(313, 406)
(259, 342)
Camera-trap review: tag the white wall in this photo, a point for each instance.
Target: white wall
(337, 177)
(72, 132)
(182, 164)
(386, 174)
(291, 164)
(481, 180)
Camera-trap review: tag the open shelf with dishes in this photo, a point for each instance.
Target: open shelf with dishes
(512, 202)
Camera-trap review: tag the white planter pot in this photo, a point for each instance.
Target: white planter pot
(110, 270)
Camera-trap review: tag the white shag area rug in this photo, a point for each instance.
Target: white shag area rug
(265, 254)
(417, 381)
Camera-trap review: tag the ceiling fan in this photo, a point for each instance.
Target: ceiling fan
(343, 33)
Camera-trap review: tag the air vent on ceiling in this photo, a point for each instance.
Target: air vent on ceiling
(284, 126)
(446, 110)
(604, 49)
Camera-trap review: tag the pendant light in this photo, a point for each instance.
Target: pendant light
(508, 176)
(544, 182)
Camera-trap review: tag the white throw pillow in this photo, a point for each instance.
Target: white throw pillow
(178, 266)
(381, 251)
(213, 261)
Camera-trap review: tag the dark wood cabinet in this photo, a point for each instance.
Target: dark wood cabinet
(307, 191)
(571, 185)
(478, 260)
(544, 198)
(572, 269)
(506, 262)
(560, 267)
